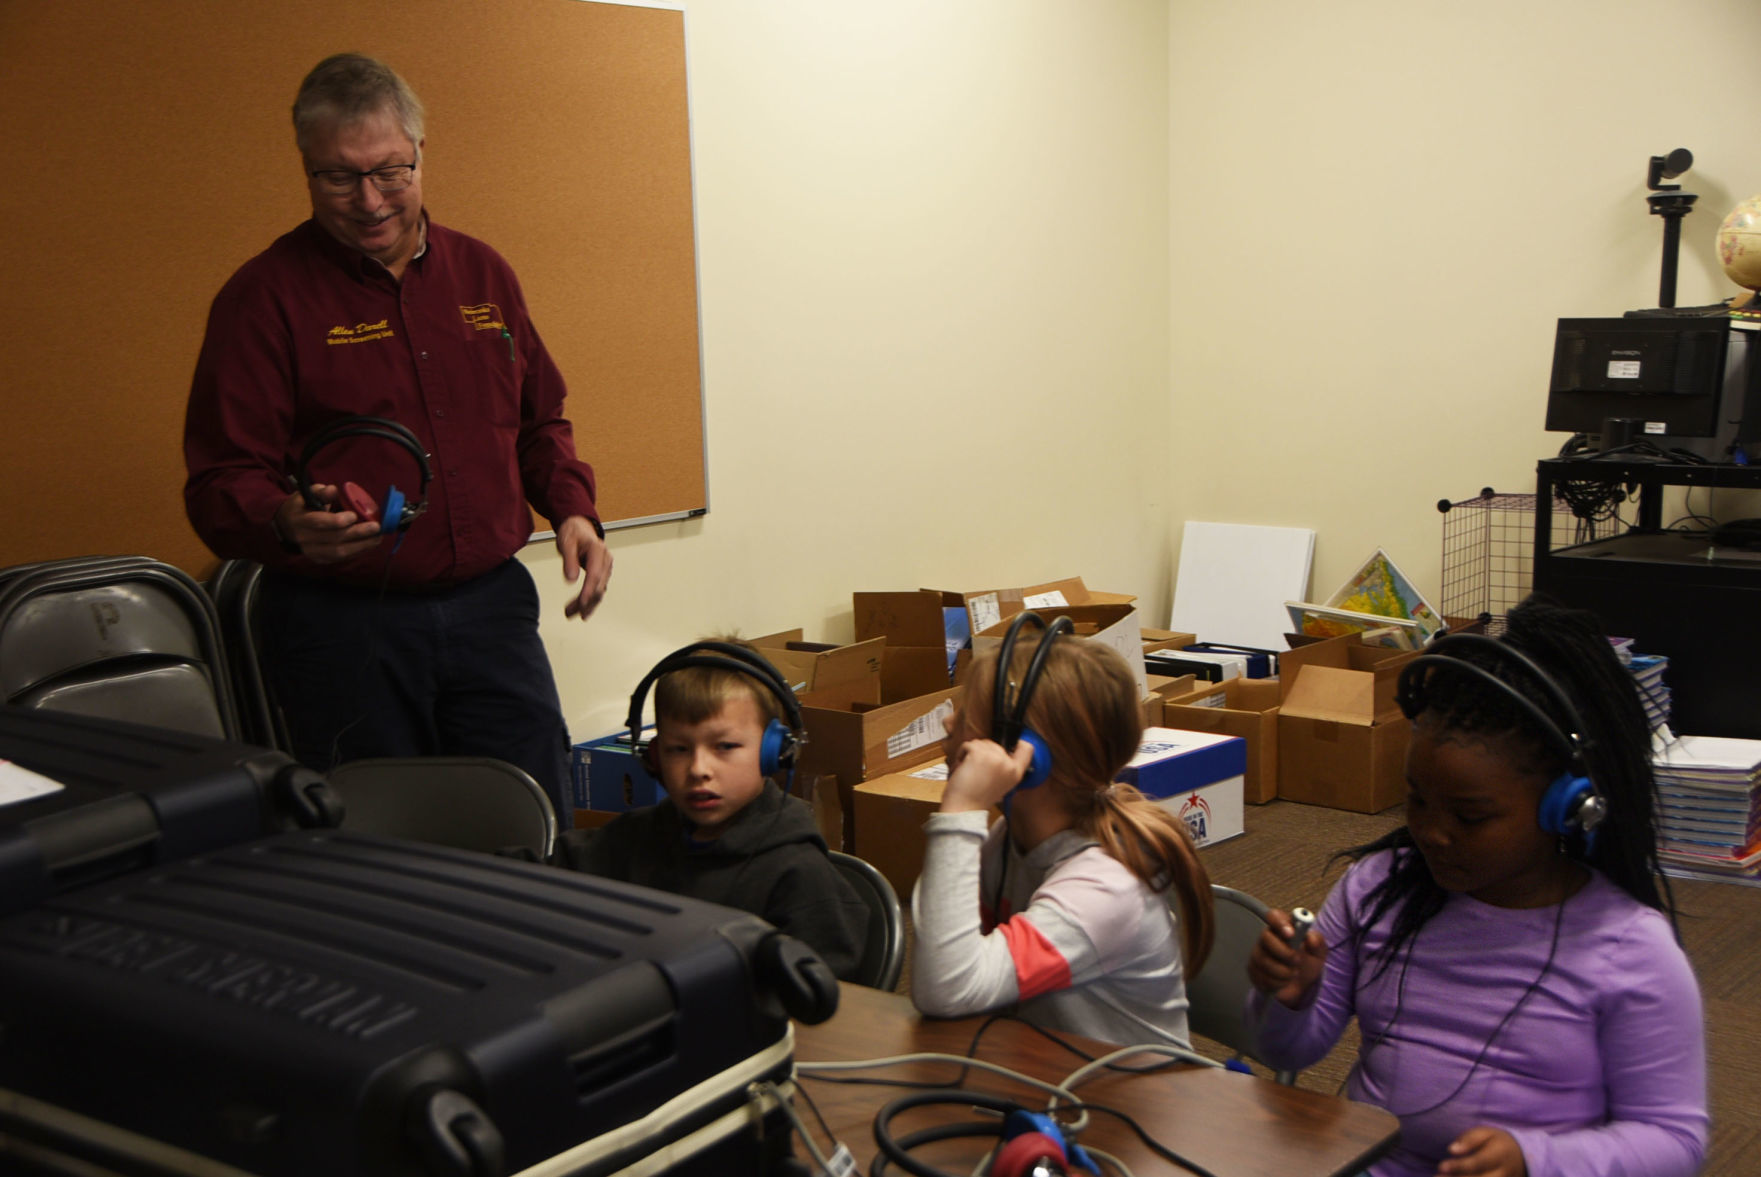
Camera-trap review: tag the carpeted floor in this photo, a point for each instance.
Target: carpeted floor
(1282, 859)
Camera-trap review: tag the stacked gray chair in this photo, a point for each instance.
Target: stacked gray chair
(1218, 994)
(469, 802)
(236, 590)
(119, 637)
(883, 951)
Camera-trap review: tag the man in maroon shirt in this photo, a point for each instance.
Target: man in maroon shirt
(384, 640)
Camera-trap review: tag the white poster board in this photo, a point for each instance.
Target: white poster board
(1234, 579)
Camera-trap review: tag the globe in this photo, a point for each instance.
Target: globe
(1739, 244)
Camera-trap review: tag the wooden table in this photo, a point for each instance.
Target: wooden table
(1232, 1124)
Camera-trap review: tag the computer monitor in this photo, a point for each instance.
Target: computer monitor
(1679, 381)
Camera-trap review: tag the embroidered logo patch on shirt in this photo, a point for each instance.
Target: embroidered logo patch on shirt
(360, 333)
(485, 316)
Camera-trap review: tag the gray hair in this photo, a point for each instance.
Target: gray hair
(348, 87)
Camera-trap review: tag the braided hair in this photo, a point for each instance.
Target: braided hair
(1570, 646)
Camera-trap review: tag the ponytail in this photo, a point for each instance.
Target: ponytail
(1086, 708)
(1157, 847)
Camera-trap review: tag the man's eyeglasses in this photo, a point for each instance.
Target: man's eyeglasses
(392, 178)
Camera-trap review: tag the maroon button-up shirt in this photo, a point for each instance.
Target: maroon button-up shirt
(309, 331)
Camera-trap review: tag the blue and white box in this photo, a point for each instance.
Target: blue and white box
(1197, 776)
(613, 776)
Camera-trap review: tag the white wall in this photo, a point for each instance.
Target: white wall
(1379, 209)
(972, 270)
(933, 254)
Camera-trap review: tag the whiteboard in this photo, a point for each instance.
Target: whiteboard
(1234, 578)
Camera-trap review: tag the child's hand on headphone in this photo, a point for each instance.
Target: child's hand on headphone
(1287, 973)
(981, 774)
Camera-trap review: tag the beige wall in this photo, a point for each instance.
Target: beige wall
(997, 291)
(933, 249)
(1380, 208)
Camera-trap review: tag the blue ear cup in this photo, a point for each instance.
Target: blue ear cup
(1041, 769)
(1572, 805)
(776, 748)
(392, 518)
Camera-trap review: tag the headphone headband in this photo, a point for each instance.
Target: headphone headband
(1572, 803)
(719, 656)
(359, 426)
(1009, 714)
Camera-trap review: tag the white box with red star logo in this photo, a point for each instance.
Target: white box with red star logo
(1197, 776)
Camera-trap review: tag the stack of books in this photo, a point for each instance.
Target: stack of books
(1709, 815)
(1648, 671)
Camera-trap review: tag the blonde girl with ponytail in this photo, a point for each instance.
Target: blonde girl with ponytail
(1061, 910)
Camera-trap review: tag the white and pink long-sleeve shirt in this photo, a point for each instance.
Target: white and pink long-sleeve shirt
(1081, 943)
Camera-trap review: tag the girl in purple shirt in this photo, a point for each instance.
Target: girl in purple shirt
(1509, 954)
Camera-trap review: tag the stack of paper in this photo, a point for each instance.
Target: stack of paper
(1709, 816)
(1648, 671)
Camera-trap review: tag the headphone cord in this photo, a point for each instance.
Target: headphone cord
(1400, 1000)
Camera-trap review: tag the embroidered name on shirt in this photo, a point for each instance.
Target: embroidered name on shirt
(360, 333)
(485, 316)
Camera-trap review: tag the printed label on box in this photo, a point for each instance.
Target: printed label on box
(1195, 811)
(920, 732)
(935, 772)
(1051, 600)
(985, 611)
(21, 784)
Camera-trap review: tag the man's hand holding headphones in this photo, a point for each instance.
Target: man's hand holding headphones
(587, 559)
(323, 536)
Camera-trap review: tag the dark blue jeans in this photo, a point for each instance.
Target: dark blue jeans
(456, 672)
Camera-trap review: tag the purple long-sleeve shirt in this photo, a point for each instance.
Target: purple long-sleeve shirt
(1601, 1072)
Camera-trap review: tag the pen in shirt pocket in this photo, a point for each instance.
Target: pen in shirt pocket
(509, 336)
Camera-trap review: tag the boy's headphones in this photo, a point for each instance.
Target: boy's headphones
(1572, 804)
(1009, 709)
(781, 741)
(398, 513)
(1029, 1142)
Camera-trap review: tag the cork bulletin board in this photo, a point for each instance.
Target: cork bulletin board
(149, 151)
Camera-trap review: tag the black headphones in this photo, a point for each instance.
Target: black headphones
(398, 513)
(1572, 804)
(1031, 1142)
(780, 743)
(1009, 708)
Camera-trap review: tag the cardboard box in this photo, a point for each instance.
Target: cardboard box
(991, 606)
(850, 672)
(889, 813)
(859, 742)
(924, 631)
(1244, 707)
(1195, 775)
(1341, 737)
(1113, 624)
(1166, 639)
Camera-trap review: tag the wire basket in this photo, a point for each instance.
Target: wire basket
(1489, 550)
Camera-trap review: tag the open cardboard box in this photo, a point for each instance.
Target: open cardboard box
(924, 631)
(860, 741)
(889, 813)
(1244, 707)
(1341, 737)
(850, 672)
(1113, 624)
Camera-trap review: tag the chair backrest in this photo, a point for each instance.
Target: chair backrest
(1217, 994)
(117, 637)
(236, 588)
(470, 802)
(883, 951)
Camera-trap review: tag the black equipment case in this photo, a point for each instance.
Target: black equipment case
(133, 796)
(320, 1004)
